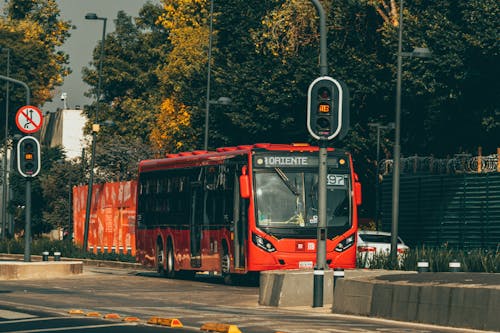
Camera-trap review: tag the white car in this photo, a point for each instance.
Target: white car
(376, 242)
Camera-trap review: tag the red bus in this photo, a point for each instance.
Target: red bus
(244, 209)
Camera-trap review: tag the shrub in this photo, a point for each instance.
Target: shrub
(67, 248)
(473, 260)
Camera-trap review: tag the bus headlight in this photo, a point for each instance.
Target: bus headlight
(345, 244)
(263, 243)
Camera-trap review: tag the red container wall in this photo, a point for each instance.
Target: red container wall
(112, 217)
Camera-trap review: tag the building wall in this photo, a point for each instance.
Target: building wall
(65, 128)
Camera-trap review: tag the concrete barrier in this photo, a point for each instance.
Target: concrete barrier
(292, 288)
(12, 270)
(467, 306)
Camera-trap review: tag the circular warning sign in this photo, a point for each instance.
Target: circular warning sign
(29, 119)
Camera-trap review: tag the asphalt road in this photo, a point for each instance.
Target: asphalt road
(144, 294)
(13, 319)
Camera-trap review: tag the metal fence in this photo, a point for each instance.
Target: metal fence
(460, 210)
(460, 163)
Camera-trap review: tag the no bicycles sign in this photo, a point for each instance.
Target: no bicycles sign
(29, 119)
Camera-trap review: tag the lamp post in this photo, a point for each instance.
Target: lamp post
(5, 163)
(221, 100)
(95, 129)
(207, 103)
(419, 53)
(379, 127)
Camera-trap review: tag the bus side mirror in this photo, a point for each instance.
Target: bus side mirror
(244, 184)
(357, 190)
(357, 193)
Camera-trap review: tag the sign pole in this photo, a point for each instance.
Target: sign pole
(27, 224)
(319, 269)
(29, 120)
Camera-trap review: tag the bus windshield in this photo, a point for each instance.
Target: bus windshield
(290, 199)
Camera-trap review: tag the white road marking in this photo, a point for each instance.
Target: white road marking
(6, 314)
(31, 320)
(70, 329)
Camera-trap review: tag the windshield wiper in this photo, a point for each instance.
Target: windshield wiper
(287, 182)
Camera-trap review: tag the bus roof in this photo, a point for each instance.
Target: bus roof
(203, 157)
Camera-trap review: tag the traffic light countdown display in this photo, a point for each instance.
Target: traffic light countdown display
(327, 108)
(28, 156)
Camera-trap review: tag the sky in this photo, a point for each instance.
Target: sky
(83, 40)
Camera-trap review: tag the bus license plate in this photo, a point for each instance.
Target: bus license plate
(305, 264)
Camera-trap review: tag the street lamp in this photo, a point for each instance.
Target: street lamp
(418, 53)
(5, 163)
(379, 127)
(95, 129)
(221, 100)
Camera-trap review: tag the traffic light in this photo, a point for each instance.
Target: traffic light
(326, 104)
(28, 156)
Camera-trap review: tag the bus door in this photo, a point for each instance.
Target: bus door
(240, 226)
(195, 222)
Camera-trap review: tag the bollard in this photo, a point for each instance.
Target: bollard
(423, 266)
(57, 256)
(91, 249)
(338, 273)
(120, 249)
(319, 278)
(454, 266)
(98, 250)
(129, 250)
(113, 249)
(105, 249)
(45, 256)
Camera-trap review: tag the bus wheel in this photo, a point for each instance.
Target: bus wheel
(170, 262)
(160, 257)
(226, 267)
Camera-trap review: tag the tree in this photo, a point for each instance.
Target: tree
(131, 89)
(32, 32)
(265, 55)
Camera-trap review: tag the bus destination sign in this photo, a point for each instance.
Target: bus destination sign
(288, 161)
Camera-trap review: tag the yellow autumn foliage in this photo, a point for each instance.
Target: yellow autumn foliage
(287, 28)
(170, 130)
(388, 11)
(41, 28)
(187, 22)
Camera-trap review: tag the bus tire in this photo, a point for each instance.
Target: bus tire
(226, 266)
(170, 261)
(160, 256)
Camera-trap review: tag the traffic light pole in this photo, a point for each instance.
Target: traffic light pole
(319, 269)
(27, 224)
(323, 67)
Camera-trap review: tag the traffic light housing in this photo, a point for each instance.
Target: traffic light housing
(28, 156)
(327, 108)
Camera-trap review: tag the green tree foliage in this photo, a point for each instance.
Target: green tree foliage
(131, 89)
(265, 54)
(33, 31)
(50, 195)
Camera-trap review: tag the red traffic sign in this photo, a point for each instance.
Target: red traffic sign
(29, 119)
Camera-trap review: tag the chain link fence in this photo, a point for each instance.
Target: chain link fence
(460, 163)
